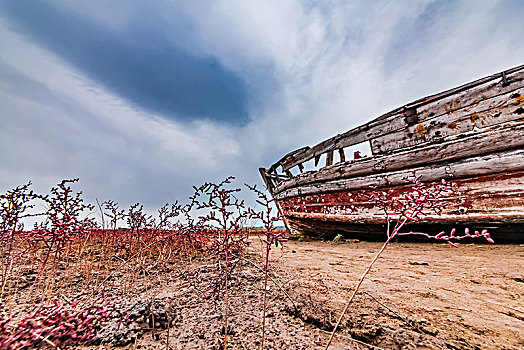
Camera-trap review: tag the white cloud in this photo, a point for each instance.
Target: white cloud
(335, 66)
(343, 64)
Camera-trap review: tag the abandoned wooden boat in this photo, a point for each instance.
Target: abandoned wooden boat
(472, 135)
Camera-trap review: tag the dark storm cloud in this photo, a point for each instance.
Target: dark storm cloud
(141, 65)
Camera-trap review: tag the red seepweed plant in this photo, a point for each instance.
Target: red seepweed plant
(116, 260)
(62, 323)
(62, 223)
(137, 220)
(271, 237)
(66, 235)
(421, 201)
(14, 206)
(114, 213)
(227, 213)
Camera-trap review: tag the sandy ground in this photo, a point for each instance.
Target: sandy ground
(417, 296)
(470, 297)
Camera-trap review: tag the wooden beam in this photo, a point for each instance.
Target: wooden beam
(277, 176)
(329, 158)
(486, 113)
(342, 155)
(498, 138)
(471, 167)
(267, 181)
(288, 157)
(317, 160)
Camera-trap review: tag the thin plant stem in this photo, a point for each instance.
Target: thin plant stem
(356, 341)
(356, 290)
(390, 310)
(226, 299)
(266, 267)
(272, 280)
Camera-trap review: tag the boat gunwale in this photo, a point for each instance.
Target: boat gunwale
(340, 169)
(482, 165)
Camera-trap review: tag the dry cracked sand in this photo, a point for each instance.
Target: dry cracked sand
(417, 296)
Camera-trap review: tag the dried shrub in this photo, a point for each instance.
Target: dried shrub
(14, 207)
(62, 222)
(227, 214)
(272, 236)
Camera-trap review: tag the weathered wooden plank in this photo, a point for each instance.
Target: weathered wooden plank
(502, 112)
(471, 167)
(495, 139)
(329, 158)
(267, 181)
(498, 77)
(486, 113)
(489, 197)
(428, 107)
(342, 155)
(473, 96)
(317, 159)
(288, 157)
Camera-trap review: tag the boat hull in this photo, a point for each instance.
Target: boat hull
(501, 232)
(494, 202)
(471, 135)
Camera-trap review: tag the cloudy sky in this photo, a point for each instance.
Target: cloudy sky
(143, 99)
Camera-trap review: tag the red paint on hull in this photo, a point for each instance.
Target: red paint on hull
(492, 200)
